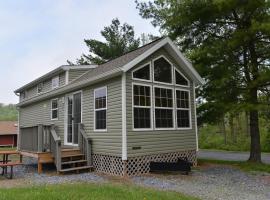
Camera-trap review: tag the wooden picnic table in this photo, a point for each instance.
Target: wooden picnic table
(5, 162)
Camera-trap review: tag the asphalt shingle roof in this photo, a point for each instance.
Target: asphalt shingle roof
(116, 63)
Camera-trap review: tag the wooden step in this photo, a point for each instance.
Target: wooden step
(72, 155)
(65, 152)
(75, 168)
(74, 161)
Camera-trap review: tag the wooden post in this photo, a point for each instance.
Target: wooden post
(40, 138)
(80, 137)
(39, 166)
(89, 152)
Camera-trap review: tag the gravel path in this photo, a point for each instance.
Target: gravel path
(230, 155)
(213, 183)
(27, 174)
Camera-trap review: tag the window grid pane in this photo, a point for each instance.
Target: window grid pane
(164, 118)
(100, 109)
(183, 119)
(179, 79)
(141, 106)
(141, 95)
(162, 70)
(182, 99)
(142, 73)
(163, 98)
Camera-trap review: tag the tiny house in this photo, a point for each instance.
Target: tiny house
(116, 117)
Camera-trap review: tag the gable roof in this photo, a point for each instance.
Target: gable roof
(119, 65)
(8, 127)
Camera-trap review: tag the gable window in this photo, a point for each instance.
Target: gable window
(180, 79)
(141, 107)
(100, 108)
(163, 108)
(54, 109)
(162, 70)
(142, 73)
(39, 88)
(182, 109)
(55, 82)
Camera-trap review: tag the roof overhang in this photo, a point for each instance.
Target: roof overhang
(69, 88)
(175, 53)
(56, 71)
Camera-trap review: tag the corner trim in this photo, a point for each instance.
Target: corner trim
(124, 119)
(195, 118)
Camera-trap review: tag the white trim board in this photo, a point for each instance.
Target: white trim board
(124, 118)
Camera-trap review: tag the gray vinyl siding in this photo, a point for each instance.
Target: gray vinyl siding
(40, 113)
(75, 73)
(109, 142)
(47, 85)
(158, 141)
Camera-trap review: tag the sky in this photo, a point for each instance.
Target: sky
(37, 36)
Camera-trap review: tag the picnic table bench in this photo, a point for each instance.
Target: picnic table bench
(6, 163)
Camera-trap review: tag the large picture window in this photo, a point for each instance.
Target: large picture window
(163, 107)
(54, 109)
(182, 109)
(100, 96)
(141, 107)
(162, 70)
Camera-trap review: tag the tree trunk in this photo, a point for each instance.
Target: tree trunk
(232, 128)
(222, 129)
(255, 144)
(247, 123)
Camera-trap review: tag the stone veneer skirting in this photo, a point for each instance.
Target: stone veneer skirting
(138, 165)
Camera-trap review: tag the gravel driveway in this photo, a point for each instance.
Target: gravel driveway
(206, 182)
(230, 155)
(213, 183)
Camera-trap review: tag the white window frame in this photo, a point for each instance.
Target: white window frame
(172, 70)
(100, 88)
(41, 88)
(168, 108)
(174, 77)
(140, 67)
(189, 109)
(151, 107)
(53, 109)
(55, 78)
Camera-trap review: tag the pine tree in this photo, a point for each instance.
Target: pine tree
(228, 41)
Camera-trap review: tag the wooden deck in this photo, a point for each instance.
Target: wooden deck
(44, 157)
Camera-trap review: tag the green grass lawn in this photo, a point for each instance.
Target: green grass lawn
(243, 165)
(89, 192)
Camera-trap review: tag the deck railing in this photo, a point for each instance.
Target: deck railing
(41, 138)
(85, 144)
(55, 147)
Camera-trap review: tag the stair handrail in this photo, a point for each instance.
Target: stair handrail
(85, 144)
(56, 148)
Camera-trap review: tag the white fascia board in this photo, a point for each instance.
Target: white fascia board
(160, 44)
(186, 62)
(68, 67)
